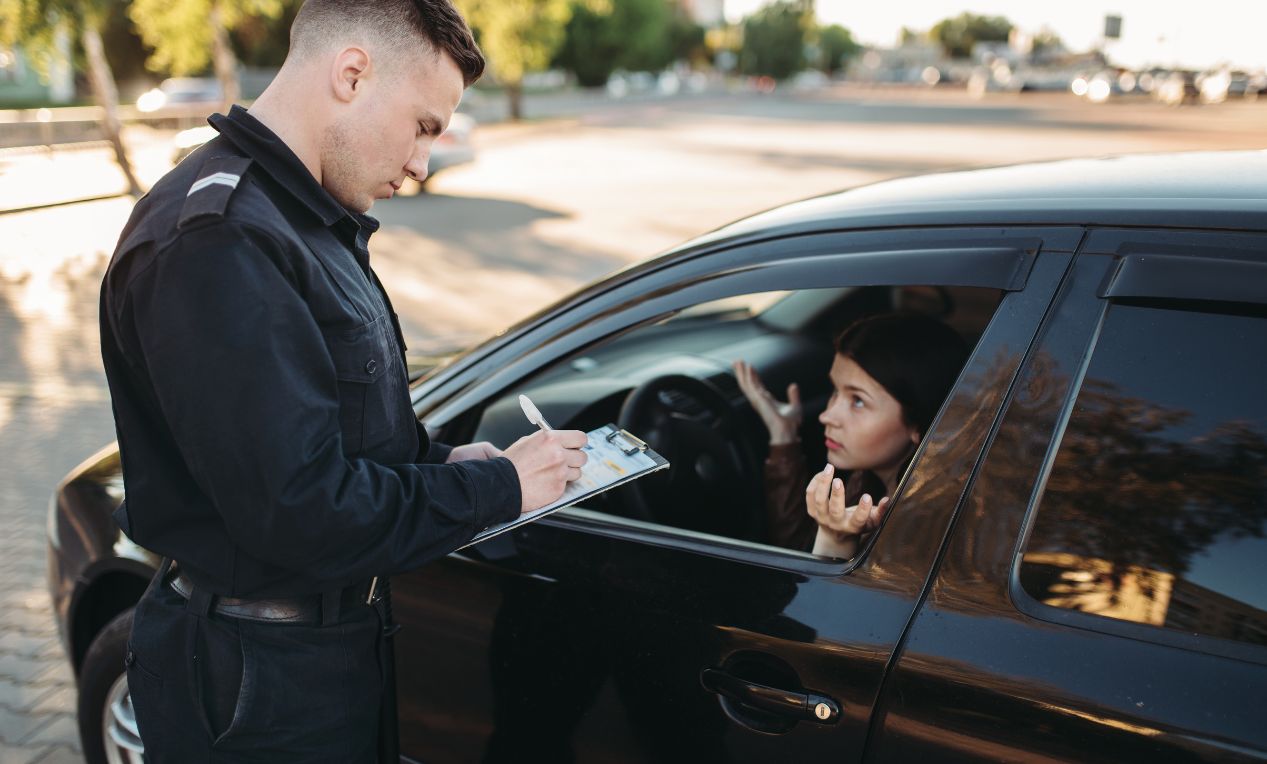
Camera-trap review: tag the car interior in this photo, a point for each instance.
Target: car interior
(671, 384)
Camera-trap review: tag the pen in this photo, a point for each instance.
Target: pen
(532, 413)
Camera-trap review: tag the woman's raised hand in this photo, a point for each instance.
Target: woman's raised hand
(783, 420)
(825, 502)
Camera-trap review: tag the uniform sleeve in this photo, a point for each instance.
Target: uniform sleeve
(248, 389)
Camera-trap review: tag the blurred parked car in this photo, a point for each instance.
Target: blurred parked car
(182, 98)
(1223, 84)
(1105, 85)
(1178, 88)
(455, 146)
(1073, 568)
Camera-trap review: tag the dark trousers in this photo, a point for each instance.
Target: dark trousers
(210, 688)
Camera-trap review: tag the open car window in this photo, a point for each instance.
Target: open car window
(671, 383)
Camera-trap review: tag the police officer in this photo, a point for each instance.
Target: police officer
(270, 452)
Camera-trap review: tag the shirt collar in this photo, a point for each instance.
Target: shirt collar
(278, 160)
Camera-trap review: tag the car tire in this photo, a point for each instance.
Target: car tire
(104, 704)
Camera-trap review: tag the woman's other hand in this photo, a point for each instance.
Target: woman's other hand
(783, 420)
(840, 525)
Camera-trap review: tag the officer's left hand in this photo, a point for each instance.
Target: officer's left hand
(481, 450)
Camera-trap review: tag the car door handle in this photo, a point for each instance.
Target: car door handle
(801, 706)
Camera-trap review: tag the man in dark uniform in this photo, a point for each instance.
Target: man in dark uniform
(270, 451)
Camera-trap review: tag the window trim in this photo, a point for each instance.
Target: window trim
(1178, 277)
(683, 540)
(931, 251)
(632, 305)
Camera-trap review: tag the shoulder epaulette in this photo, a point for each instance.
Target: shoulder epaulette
(209, 195)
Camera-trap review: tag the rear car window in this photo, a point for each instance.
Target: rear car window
(1156, 505)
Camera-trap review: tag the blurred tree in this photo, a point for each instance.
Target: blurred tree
(686, 38)
(1047, 44)
(958, 35)
(774, 39)
(646, 33)
(591, 46)
(125, 51)
(35, 25)
(188, 34)
(261, 41)
(836, 46)
(910, 36)
(638, 35)
(518, 36)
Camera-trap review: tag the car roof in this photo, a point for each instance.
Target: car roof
(1215, 189)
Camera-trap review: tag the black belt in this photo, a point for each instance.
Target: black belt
(313, 609)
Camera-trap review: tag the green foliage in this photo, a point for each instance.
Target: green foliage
(178, 31)
(686, 38)
(591, 46)
(637, 35)
(645, 24)
(958, 35)
(517, 36)
(33, 24)
(909, 36)
(1047, 42)
(125, 51)
(836, 46)
(774, 39)
(261, 41)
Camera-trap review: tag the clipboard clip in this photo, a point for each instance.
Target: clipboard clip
(629, 444)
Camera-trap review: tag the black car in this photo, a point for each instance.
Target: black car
(1073, 567)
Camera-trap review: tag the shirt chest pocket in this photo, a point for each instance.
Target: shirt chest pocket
(373, 403)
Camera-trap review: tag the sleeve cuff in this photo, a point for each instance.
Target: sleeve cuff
(497, 493)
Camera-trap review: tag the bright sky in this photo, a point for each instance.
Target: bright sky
(1162, 32)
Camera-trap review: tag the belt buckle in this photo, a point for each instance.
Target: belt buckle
(372, 598)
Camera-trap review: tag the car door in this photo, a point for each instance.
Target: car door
(1103, 596)
(592, 637)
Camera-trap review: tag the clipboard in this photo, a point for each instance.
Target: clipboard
(616, 457)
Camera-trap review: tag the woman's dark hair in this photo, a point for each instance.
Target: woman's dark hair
(915, 357)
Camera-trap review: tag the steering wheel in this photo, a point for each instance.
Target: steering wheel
(714, 482)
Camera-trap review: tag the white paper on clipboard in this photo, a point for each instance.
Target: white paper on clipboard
(615, 457)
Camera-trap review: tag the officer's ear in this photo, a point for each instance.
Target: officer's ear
(349, 72)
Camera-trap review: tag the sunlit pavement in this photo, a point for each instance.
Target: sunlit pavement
(547, 206)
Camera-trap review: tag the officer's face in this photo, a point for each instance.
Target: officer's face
(385, 134)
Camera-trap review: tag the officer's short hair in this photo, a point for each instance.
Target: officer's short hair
(437, 22)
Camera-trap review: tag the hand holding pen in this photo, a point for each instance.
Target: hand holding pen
(546, 460)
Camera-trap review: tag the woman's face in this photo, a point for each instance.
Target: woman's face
(863, 423)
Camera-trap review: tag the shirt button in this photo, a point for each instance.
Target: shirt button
(371, 366)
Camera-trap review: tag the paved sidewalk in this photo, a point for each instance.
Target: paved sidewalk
(54, 412)
(43, 439)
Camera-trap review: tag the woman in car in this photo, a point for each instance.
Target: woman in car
(889, 377)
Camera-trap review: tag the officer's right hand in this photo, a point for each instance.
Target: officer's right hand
(546, 461)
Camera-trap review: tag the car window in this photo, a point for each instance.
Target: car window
(1156, 505)
(672, 383)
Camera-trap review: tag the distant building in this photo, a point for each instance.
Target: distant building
(707, 13)
(21, 83)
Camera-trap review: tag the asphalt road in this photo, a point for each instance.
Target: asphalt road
(548, 206)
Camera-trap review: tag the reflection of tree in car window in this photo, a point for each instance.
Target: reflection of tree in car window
(1150, 503)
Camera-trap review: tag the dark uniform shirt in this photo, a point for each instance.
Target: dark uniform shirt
(260, 394)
